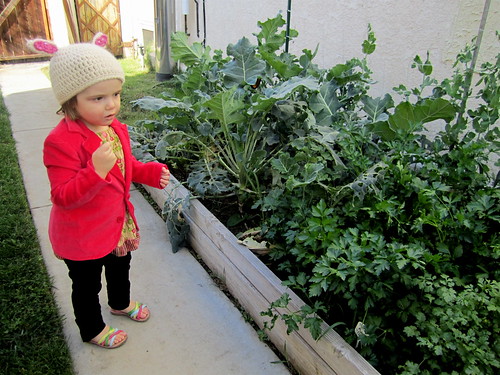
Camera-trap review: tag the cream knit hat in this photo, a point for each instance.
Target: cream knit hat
(78, 66)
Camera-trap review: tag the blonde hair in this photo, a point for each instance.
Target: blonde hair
(68, 109)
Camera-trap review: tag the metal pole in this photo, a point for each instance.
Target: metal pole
(480, 32)
(288, 16)
(470, 73)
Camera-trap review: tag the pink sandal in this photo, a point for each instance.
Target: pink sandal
(107, 341)
(135, 313)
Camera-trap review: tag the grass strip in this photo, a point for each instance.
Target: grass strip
(138, 83)
(31, 333)
(31, 338)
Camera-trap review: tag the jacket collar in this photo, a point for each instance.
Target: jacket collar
(92, 140)
(78, 126)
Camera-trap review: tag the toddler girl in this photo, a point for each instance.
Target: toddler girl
(90, 167)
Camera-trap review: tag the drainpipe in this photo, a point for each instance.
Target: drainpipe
(185, 12)
(164, 27)
(198, 21)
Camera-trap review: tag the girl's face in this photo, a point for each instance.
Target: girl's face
(99, 104)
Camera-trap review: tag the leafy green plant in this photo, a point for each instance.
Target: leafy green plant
(386, 231)
(402, 208)
(232, 115)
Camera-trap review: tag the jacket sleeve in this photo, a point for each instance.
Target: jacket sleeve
(142, 173)
(73, 179)
(147, 173)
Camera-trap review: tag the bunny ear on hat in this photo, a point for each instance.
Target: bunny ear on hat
(100, 39)
(42, 46)
(77, 66)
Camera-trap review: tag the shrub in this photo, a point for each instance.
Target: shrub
(388, 232)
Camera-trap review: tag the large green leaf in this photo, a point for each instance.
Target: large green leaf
(283, 64)
(383, 130)
(376, 107)
(270, 40)
(150, 103)
(194, 81)
(309, 175)
(435, 109)
(186, 53)
(226, 107)
(245, 68)
(285, 165)
(410, 117)
(325, 103)
(284, 89)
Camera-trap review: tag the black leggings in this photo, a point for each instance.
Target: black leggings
(86, 277)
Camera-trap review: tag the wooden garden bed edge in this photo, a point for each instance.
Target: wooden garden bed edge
(255, 287)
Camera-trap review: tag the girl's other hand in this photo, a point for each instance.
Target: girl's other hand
(165, 177)
(103, 159)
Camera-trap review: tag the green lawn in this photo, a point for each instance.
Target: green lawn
(138, 83)
(31, 338)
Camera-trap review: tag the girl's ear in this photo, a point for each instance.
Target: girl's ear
(100, 39)
(42, 46)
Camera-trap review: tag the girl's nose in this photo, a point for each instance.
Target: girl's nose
(110, 103)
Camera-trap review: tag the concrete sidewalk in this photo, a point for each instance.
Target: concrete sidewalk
(194, 328)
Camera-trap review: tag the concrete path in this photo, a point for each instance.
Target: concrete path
(194, 328)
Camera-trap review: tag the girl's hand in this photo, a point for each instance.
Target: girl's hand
(165, 177)
(103, 159)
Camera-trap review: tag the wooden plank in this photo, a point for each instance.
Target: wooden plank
(245, 274)
(296, 350)
(103, 16)
(293, 346)
(71, 18)
(8, 10)
(265, 280)
(45, 20)
(26, 20)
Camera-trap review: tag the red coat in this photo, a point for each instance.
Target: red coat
(88, 212)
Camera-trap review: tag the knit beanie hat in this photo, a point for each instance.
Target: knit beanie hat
(78, 66)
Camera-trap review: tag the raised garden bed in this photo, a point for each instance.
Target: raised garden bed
(255, 287)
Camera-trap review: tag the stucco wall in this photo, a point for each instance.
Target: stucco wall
(403, 28)
(136, 16)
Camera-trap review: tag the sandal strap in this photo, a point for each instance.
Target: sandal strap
(109, 338)
(137, 310)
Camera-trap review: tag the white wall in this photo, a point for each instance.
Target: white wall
(136, 16)
(403, 28)
(58, 22)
